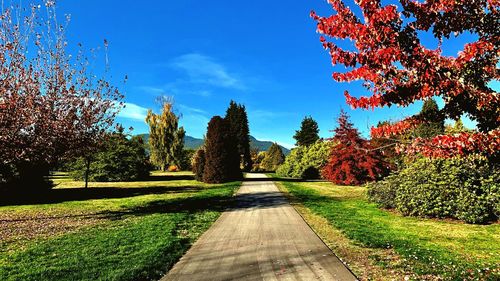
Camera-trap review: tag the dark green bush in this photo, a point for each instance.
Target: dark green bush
(187, 159)
(311, 173)
(25, 176)
(461, 188)
(384, 192)
(119, 159)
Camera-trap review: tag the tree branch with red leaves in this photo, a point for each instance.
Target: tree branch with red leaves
(399, 70)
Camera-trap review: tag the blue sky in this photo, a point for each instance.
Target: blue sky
(264, 54)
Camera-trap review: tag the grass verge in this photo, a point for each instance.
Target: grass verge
(113, 231)
(382, 245)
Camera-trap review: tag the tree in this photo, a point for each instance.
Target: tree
(50, 105)
(166, 139)
(222, 161)
(118, 159)
(398, 69)
(308, 133)
(237, 116)
(257, 157)
(387, 147)
(273, 159)
(435, 124)
(353, 160)
(306, 162)
(456, 128)
(199, 164)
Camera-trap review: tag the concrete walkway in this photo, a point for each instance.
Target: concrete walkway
(262, 238)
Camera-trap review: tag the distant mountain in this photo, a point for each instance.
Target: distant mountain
(195, 143)
(192, 143)
(264, 145)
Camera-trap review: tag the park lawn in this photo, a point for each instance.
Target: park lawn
(111, 231)
(379, 244)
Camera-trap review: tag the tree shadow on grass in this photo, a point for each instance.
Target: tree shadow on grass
(80, 194)
(280, 179)
(203, 203)
(170, 177)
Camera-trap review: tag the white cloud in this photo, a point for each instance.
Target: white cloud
(152, 90)
(190, 109)
(203, 69)
(264, 115)
(134, 112)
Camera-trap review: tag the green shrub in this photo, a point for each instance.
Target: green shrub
(25, 176)
(187, 159)
(461, 188)
(384, 192)
(274, 157)
(306, 162)
(119, 159)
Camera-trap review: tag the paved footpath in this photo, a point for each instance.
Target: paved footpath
(262, 238)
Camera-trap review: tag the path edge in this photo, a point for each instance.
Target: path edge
(291, 199)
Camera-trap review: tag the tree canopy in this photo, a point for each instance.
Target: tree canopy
(238, 120)
(166, 139)
(434, 126)
(308, 133)
(273, 159)
(352, 160)
(51, 106)
(398, 69)
(222, 162)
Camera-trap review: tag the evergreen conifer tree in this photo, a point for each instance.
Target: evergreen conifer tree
(238, 121)
(273, 159)
(308, 133)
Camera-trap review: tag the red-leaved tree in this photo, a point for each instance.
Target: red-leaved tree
(353, 160)
(50, 106)
(399, 70)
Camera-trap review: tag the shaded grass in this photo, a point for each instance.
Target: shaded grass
(137, 235)
(431, 249)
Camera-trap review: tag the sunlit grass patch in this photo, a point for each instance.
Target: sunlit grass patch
(424, 248)
(111, 231)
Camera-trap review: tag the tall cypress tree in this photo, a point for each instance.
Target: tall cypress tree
(308, 133)
(221, 153)
(237, 117)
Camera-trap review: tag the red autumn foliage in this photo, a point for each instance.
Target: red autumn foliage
(399, 70)
(353, 160)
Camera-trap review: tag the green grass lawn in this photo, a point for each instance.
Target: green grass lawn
(419, 248)
(111, 231)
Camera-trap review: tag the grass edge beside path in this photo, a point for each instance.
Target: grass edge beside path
(375, 262)
(354, 256)
(141, 237)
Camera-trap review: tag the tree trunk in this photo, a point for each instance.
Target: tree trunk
(87, 172)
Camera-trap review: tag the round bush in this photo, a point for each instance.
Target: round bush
(461, 188)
